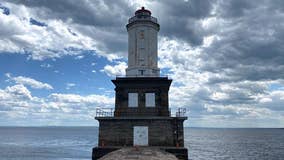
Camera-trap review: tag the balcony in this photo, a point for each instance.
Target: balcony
(179, 112)
(104, 112)
(109, 112)
(136, 18)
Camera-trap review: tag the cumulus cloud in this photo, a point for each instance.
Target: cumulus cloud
(15, 97)
(273, 100)
(45, 30)
(55, 39)
(231, 71)
(115, 70)
(18, 103)
(101, 31)
(249, 43)
(29, 82)
(223, 56)
(77, 99)
(19, 91)
(206, 93)
(70, 85)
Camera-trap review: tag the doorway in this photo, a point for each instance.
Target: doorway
(140, 136)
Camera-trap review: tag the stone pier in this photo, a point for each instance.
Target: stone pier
(139, 153)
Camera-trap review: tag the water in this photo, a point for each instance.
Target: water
(75, 143)
(47, 143)
(239, 144)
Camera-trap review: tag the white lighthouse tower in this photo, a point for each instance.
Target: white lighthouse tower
(142, 45)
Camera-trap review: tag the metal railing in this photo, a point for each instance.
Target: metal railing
(109, 112)
(136, 18)
(179, 112)
(104, 112)
(144, 75)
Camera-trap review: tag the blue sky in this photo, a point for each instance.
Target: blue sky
(57, 59)
(59, 73)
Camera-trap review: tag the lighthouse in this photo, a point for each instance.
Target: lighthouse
(142, 45)
(141, 116)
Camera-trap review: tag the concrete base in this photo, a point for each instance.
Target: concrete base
(119, 131)
(180, 152)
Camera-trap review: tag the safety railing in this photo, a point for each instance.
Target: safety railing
(104, 112)
(144, 75)
(136, 18)
(109, 112)
(178, 112)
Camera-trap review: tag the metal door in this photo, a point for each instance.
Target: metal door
(140, 136)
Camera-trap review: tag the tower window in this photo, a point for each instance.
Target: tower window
(141, 62)
(132, 99)
(150, 100)
(142, 34)
(141, 72)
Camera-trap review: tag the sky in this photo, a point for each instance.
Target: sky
(226, 59)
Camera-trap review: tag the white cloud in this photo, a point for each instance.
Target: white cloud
(273, 100)
(224, 73)
(115, 70)
(18, 91)
(18, 104)
(70, 85)
(82, 100)
(46, 65)
(29, 82)
(79, 57)
(15, 101)
(55, 40)
(230, 101)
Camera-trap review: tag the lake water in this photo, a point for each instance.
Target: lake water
(76, 143)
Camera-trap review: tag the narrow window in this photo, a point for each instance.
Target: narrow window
(150, 100)
(142, 34)
(132, 99)
(141, 72)
(141, 62)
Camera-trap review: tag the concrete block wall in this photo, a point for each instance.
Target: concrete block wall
(159, 86)
(119, 132)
